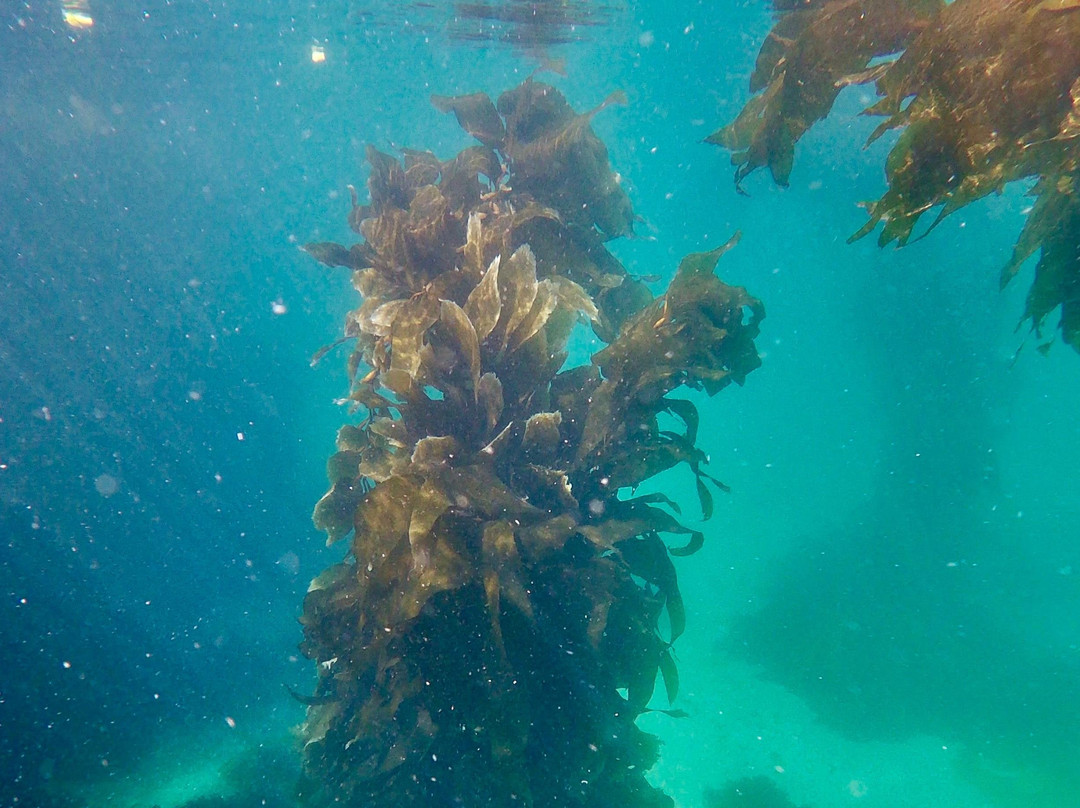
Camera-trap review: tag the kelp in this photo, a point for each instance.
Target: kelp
(985, 92)
(748, 792)
(811, 52)
(1054, 227)
(498, 623)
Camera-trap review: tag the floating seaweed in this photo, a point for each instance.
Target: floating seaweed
(986, 92)
(811, 52)
(495, 629)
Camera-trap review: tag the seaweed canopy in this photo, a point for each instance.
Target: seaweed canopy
(800, 71)
(497, 626)
(986, 92)
(995, 97)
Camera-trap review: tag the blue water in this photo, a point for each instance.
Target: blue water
(885, 612)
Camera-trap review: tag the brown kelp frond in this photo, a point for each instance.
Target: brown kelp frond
(985, 91)
(496, 628)
(476, 115)
(994, 91)
(800, 70)
(1054, 228)
(984, 95)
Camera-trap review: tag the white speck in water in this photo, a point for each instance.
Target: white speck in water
(290, 562)
(106, 485)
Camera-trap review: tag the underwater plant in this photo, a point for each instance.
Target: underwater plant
(495, 630)
(986, 92)
(748, 792)
(813, 50)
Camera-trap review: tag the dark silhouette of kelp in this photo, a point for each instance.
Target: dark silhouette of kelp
(748, 792)
(986, 92)
(495, 630)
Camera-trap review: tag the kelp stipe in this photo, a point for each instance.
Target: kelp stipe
(494, 632)
(986, 92)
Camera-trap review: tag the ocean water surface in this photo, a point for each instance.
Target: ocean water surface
(885, 611)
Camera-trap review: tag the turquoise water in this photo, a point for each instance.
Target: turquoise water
(885, 610)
